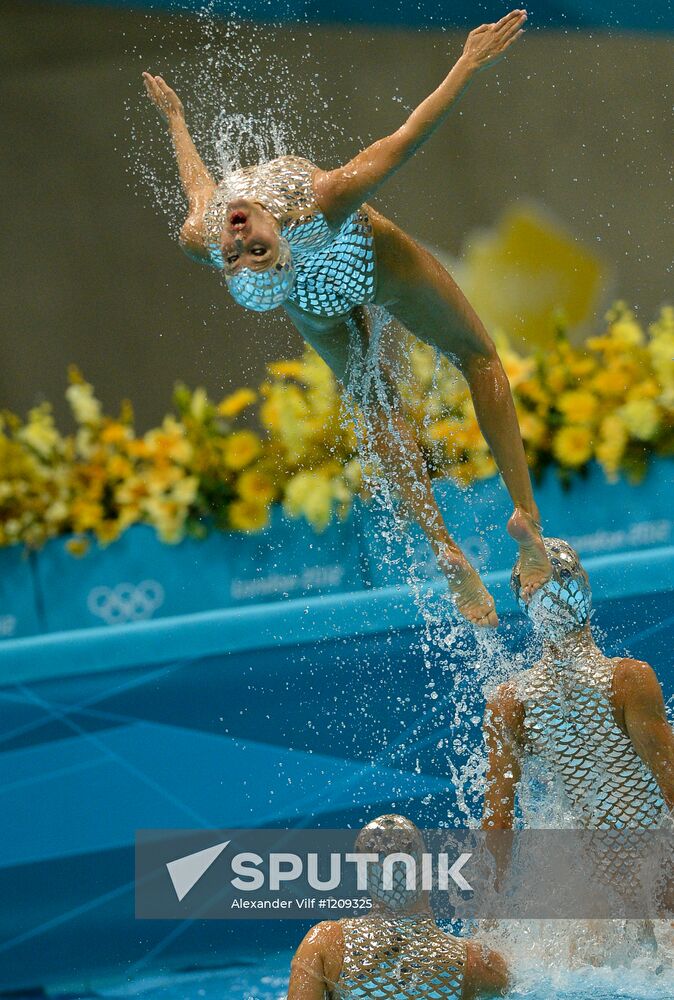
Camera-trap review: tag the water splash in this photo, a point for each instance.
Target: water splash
(244, 94)
(461, 663)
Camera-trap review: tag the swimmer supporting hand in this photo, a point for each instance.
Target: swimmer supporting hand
(342, 191)
(195, 178)
(503, 730)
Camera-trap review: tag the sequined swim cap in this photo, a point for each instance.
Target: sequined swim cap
(389, 885)
(564, 603)
(264, 290)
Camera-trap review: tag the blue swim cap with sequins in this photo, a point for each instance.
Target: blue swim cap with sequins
(564, 603)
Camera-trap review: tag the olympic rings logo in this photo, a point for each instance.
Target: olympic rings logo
(127, 602)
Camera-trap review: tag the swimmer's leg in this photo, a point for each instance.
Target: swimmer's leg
(420, 293)
(403, 464)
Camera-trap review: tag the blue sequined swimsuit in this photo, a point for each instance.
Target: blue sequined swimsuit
(335, 268)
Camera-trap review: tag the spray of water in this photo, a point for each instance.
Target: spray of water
(460, 664)
(244, 95)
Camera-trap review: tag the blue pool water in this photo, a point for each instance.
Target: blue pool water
(269, 981)
(315, 713)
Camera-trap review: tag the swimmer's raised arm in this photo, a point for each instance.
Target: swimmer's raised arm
(504, 732)
(638, 695)
(195, 177)
(342, 191)
(503, 729)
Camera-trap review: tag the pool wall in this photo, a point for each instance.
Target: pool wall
(305, 712)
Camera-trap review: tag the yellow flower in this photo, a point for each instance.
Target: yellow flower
(647, 389)
(132, 491)
(532, 428)
(57, 512)
(661, 351)
(611, 381)
(288, 416)
(317, 373)
(353, 474)
(241, 449)
(424, 363)
(168, 517)
(463, 472)
(169, 442)
(572, 446)
(138, 448)
(162, 477)
(445, 430)
(533, 390)
(578, 406)
(109, 531)
(310, 494)
(86, 408)
(115, 433)
(77, 546)
(39, 433)
(610, 449)
(248, 515)
(255, 486)
(199, 404)
(270, 413)
(185, 490)
(236, 402)
(86, 514)
(119, 467)
(484, 465)
(557, 378)
(641, 417)
(627, 332)
(517, 369)
(286, 369)
(580, 367)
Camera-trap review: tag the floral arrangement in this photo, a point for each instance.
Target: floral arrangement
(610, 400)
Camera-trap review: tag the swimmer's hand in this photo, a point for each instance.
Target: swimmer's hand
(486, 44)
(165, 99)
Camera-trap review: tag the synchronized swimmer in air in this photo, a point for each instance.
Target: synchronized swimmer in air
(288, 234)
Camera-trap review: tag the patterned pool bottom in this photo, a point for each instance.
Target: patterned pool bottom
(269, 981)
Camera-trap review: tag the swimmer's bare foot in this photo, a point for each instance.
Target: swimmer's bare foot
(535, 566)
(471, 597)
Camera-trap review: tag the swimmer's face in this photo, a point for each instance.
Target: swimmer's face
(250, 237)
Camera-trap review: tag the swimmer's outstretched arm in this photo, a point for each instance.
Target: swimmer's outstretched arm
(342, 191)
(195, 177)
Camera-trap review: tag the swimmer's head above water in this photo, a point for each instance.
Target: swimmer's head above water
(563, 605)
(386, 835)
(246, 244)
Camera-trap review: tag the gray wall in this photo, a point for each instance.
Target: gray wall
(579, 121)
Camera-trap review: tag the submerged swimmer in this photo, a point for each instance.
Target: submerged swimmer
(395, 950)
(287, 233)
(598, 724)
